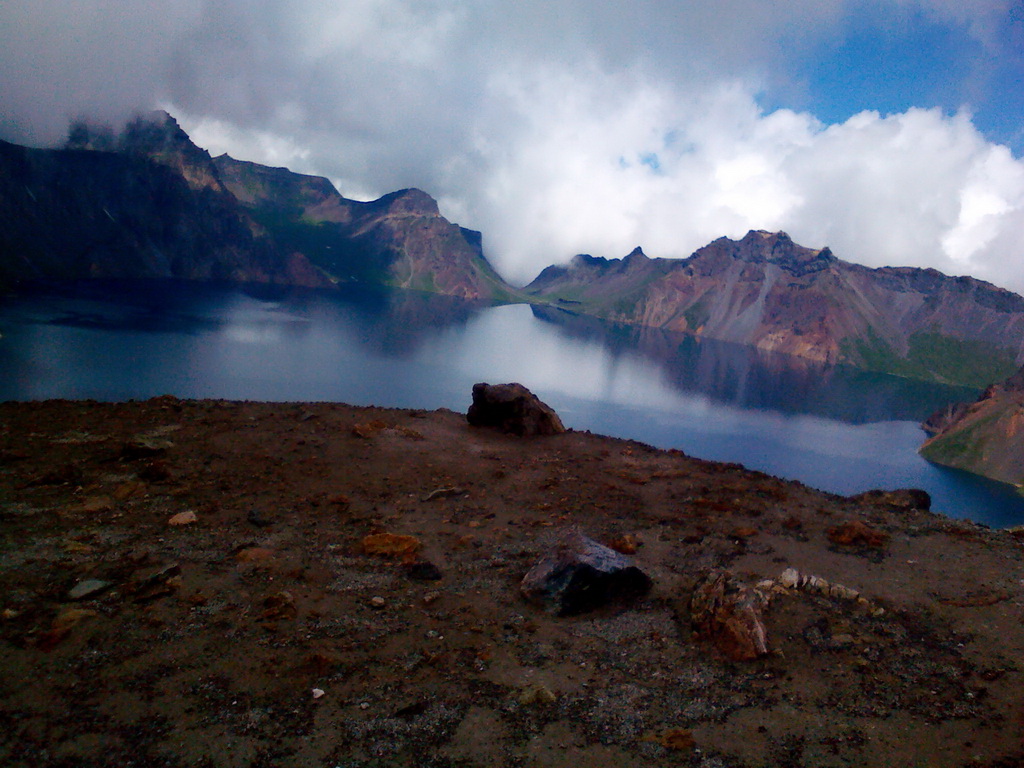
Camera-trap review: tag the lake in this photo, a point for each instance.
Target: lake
(834, 428)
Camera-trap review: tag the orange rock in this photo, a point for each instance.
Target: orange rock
(679, 739)
(254, 555)
(857, 533)
(730, 615)
(62, 626)
(743, 533)
(391, 545)
(183, 518)
(368, 429)
(97, 504)
(125, 491)
(625, 545)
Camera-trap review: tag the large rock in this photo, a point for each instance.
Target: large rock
(902, 499)
(730, 615)
(512, 408)
(581, 575)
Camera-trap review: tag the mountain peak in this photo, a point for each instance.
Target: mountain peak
(636, 253)
(410, 201)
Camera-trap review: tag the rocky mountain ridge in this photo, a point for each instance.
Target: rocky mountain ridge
(766, 291)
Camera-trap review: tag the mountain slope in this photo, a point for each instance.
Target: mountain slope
(766, 291)
(985, 437)
(148, 202)
(74, 214)
(400, 239)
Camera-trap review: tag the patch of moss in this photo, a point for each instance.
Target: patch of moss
(962, 448)
(933, 356)
(697, 314)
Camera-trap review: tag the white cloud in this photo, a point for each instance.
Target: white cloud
(554, 126)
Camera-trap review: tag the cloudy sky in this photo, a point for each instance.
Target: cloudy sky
(890, 130)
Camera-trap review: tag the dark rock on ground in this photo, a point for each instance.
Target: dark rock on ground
(581, 575)
(512, 408)
(900, 499)
(423, 570)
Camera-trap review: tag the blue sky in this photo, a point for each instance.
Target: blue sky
(907, 58)
(890, 130)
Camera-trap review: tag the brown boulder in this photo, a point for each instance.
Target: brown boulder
(901, 500)
(512, 408)
(729, 614)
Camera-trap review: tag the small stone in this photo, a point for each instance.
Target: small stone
(678, 739)
(369, 429)
(857, 534)
(377, 602)
(145, 446)
(843, 593)
(431, 597)
(537, 694)
(254, 555)
(390, 545)
(444, 493)
(129, 489)
(258, 518)
(423, 570)
(280, 605)
(88, 588)
(364, 705)
(816, 585)
(317, 693)
(625, 545)
(183, 518)
(790, 578)
(62, 625)
(95, 504)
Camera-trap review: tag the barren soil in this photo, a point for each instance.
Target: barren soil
(208, 643)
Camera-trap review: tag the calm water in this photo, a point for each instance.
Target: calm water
(837, 429)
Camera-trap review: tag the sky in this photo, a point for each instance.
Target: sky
(891, 131)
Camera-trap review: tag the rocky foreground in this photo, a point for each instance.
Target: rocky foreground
(235, 584)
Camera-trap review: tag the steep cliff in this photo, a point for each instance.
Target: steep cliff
(985, 437)
(401, 239)
(74, 214)
(767, 291)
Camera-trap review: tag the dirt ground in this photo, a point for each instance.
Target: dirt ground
(189, 583)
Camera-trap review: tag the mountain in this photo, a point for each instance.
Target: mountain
(77, 213)
(400, 240)
(985, 437)
(766, 291)
(149, 203)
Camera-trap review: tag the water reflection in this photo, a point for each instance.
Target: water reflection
(752, 378)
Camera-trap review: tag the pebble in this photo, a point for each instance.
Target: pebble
(317, 693)
(377, 601)
(88, 588)
(183, 518)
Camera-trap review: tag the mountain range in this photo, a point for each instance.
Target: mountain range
(147, 202)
